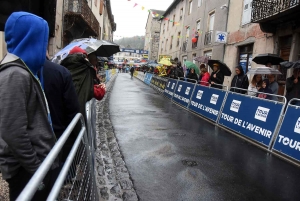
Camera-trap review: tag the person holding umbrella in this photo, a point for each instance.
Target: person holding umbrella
(83, 76)
(240, 80)
(293, 85)
(216, 77)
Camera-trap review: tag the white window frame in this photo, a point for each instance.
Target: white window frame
(190, 6)
(213, 13)
(193, 56)
(200, 3)
(247, 13)
(181, 14)
(198, 23)
(187, 33)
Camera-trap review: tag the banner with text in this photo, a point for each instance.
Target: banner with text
(108, 73)
(288, 139)
(141, 76)
(183, 93)
(170, 87)
(207, 101)
(159, 83)
(252, 117)
(148, 78)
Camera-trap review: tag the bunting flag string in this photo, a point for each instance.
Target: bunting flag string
(195, 32)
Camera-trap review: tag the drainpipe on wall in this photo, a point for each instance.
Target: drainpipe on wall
(224, 47)
(62, 24)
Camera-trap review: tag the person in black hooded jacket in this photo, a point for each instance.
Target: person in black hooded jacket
(240, 80)
(216, 77)
(192, 76)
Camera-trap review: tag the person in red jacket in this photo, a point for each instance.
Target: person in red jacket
(204, 77)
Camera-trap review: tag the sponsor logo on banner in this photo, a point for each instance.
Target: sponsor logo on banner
(297, 126)
(169, 84)
(179, 88)
(214, 99)
(173, 85)
(187, 91)
(235, 105)
(262, 113)
(199, 94)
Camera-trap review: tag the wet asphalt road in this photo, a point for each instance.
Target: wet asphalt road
(155, 136)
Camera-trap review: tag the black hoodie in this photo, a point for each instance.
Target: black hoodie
(240, 81)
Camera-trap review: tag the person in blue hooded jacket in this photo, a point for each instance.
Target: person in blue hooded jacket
(26, 135)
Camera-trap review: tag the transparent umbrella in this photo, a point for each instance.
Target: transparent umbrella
(264, 71)
(100, 47)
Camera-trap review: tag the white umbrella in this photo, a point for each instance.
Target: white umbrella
(264, 71)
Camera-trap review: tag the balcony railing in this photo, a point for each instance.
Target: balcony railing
(184, 46)
(208, 38)
(263, 9)
(81, 8)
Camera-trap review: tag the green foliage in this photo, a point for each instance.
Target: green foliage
(135, 42)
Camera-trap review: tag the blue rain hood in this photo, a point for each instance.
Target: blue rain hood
(26, 36)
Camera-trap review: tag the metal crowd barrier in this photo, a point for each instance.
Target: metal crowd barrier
(76, 180)
(273, 125)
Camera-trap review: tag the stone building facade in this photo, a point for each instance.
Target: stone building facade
(170, 42)
(203, 18)
(68, 20)
(152, 34)
(245, 39)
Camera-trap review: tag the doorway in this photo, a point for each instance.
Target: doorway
(245, 57)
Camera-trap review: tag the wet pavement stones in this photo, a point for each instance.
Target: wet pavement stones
(113, 179)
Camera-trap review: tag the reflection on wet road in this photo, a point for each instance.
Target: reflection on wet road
(173, 155)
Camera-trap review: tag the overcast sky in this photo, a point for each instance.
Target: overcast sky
(131, 21)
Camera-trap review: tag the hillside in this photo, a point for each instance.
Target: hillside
(135, 42)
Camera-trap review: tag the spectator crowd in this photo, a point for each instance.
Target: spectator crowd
(38, 100)
(262, 86)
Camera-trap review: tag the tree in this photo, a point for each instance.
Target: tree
(135, 42)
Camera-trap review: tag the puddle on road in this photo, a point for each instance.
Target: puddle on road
(189, 163)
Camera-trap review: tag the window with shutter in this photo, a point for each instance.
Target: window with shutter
(101, 7)
(198, 25)
(247, 10)
(211, 21)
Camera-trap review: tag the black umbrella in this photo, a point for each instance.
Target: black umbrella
(290, 64)
(223, 67)
(267, 58)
